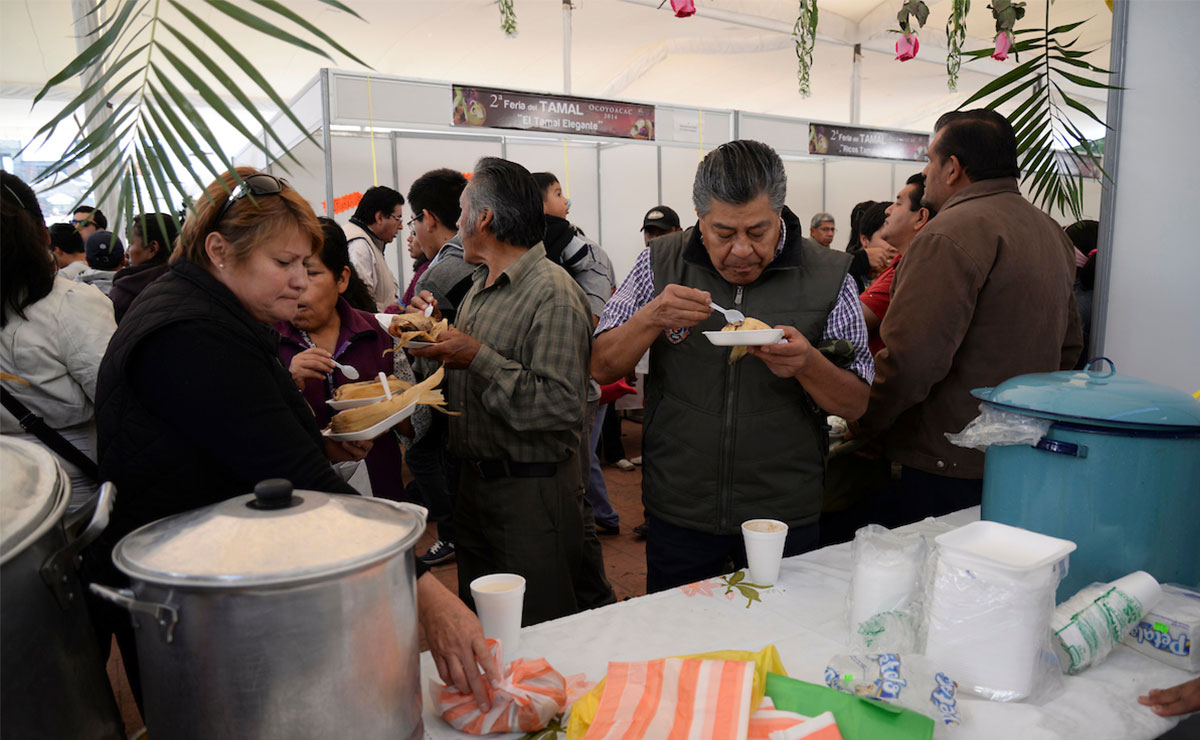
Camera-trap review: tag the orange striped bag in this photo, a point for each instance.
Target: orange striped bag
(769, 723)
(675, 699)
(529, 696)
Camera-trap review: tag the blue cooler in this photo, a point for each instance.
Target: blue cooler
(1118, 473)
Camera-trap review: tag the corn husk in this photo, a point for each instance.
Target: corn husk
(364, 417)
(750, 324)
(14, 378)
(418, 327)
(369, 389)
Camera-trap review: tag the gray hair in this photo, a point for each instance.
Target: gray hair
(821, 218)
(738, 172)
(507, 190)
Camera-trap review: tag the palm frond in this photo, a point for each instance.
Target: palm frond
(145, 140)
(1052, 151)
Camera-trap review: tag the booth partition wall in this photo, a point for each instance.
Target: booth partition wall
(377, 129)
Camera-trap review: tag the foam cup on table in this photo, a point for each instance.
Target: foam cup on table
(499, 599)
(764, 548)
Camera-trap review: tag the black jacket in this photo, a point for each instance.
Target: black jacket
(130, 282)
(193, 406)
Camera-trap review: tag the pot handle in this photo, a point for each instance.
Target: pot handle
(1061, 448)
(167, 616)
(417, 509)
(55, 571)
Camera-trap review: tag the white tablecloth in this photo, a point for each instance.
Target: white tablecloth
(804, 617)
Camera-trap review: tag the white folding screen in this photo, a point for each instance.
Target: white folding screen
(628, 189)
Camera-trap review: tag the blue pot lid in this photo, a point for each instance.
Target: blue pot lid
(1097, 396)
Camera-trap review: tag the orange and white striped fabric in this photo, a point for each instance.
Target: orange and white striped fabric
(675, 699)
(769, 723)
(529, 696)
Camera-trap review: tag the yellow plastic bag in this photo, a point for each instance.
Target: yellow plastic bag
(765, 661)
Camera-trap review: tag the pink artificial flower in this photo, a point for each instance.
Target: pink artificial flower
(906, 47)
(683, 8)
(1003, 44)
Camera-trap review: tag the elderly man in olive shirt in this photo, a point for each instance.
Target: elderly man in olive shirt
(518, 370)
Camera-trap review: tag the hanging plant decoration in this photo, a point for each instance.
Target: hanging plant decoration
(508, 18)
(956, 34)
(805, 34)
(1054, 153)
(1006, 13)
(907, 46)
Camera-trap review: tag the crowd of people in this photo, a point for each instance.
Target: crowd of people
(198, 362)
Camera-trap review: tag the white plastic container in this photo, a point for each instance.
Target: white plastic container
(989, 607)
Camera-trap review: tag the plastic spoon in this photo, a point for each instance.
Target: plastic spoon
(429, 310)
(347, 370)
(387, 389)
(732, 315)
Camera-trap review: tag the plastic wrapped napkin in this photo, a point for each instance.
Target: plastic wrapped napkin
(529, 696)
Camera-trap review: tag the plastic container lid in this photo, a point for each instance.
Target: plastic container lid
(268, 537)
(1001, 546)
(32, 495)
(1097, 397)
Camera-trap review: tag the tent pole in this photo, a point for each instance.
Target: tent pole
(327, 140)
(856, 86)
(566, 8)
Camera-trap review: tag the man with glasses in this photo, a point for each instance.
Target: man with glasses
(373, 226)
(88, 221)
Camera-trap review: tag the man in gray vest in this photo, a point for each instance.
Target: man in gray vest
(729, 441)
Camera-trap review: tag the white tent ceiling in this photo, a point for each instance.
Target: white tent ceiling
(732, 54)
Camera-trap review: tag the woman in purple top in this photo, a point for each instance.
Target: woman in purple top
(327, 328)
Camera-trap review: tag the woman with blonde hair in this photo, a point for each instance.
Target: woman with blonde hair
(194, 407)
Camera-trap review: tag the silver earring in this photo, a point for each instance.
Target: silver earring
(222, 265)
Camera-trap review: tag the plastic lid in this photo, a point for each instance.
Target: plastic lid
(1010, 548)
(1097, 396)
(272, 536)
(32, 494)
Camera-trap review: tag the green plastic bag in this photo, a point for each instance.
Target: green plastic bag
(857, 718)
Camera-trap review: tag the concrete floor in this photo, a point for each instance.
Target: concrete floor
(624, 562)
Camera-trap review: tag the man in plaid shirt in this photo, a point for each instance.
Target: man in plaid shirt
(517, 365)
(727, 441)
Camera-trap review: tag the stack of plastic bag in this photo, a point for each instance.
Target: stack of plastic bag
(529, 696)
(754, 667)
(675, 697)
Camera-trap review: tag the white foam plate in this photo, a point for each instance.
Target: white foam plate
(418, 344)
(354, 403)
(748, 338)
(373, 431)
(385, 319)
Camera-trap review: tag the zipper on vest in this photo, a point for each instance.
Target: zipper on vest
(729, 438)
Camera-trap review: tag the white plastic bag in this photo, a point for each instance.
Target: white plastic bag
(884, 601)
(996, 427)
(990, 627)
(908, 681)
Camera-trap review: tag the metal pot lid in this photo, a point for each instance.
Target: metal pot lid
(32, 494)
(1097, 396)
(272, 536)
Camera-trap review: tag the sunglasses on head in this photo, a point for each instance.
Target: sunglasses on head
(256, 185)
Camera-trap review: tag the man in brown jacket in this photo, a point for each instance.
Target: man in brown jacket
(983, 294)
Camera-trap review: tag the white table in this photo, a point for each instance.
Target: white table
(804, 616)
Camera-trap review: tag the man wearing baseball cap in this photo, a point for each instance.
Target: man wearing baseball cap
(659, 220)
(105, 255)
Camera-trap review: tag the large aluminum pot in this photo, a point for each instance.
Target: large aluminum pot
(52, 682)
(277, 616)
